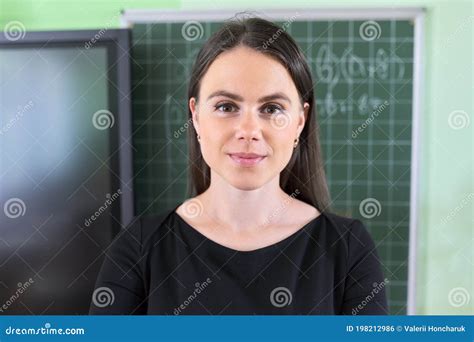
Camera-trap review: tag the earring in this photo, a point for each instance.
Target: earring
(296, 142)
(198, 137)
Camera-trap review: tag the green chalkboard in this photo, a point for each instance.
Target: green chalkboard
(363, 72)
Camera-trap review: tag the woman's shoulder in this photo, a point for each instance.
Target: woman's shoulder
(339, 223)
(343, 222)
(336, 230)
(149, 227)
(351, 232)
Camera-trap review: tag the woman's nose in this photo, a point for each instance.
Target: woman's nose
(249, 127)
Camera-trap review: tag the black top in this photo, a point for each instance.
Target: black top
(161, 265)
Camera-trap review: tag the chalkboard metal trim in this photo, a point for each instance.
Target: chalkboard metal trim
(418, 76)
(133, 16)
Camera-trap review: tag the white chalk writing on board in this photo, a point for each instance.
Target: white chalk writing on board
(350, 68)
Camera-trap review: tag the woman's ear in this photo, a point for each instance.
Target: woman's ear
(195, 116)
(302, 118)
(306, 110)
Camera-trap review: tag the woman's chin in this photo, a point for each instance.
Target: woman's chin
(246, 184)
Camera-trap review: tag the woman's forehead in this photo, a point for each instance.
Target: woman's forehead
(248, 73)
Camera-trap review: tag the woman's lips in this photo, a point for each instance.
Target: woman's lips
(246, 161)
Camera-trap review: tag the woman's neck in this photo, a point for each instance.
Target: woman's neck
(244, 210)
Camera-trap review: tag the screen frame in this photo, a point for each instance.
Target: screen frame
(117, 44)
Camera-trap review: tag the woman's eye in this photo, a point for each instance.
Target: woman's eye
(225, 107)
(272, 109)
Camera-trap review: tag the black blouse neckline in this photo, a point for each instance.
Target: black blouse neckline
(201, 237)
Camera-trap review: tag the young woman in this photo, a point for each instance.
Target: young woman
(256, 237)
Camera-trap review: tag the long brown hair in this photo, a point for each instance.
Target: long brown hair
(304, 173)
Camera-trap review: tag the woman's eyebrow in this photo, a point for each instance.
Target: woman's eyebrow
(275, 96)
(226, 94)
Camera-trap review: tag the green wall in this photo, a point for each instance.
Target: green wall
(446, 181)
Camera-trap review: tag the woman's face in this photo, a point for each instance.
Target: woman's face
(247, 104)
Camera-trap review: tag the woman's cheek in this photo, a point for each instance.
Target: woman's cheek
(285, 156)
(211, 148)
(285, 143)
